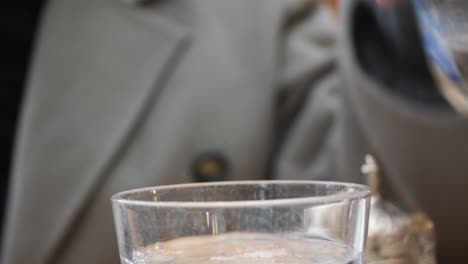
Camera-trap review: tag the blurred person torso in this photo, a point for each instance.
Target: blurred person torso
(127, 94)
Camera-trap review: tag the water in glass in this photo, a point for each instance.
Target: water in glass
(245, 249)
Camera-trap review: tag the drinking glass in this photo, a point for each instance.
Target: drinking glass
(444, 28)
(293, 222)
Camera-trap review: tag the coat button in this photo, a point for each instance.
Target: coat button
(137, 2)
(210, 166)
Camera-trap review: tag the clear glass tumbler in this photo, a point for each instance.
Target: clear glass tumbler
(294, 222)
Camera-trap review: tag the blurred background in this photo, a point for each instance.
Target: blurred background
(101, 96)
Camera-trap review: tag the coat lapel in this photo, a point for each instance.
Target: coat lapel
(98, 67)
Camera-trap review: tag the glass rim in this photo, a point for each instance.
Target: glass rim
(361, 192)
